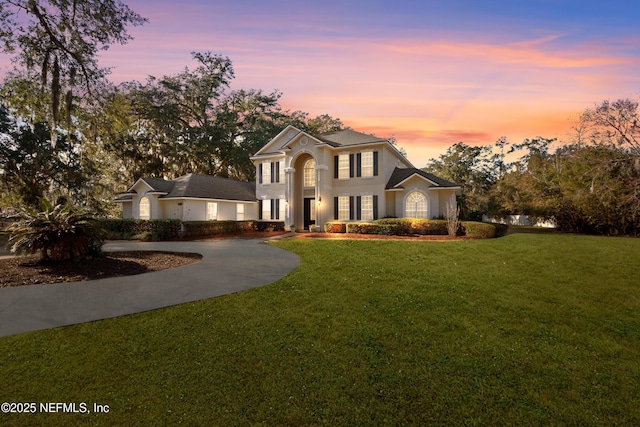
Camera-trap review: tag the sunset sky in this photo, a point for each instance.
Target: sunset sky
(432, 73)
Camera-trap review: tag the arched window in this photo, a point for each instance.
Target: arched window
(145, 208)
(415, 205)
(310, 173)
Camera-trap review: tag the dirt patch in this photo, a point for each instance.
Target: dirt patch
(20, 271)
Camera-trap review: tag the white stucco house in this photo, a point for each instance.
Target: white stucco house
(190, 198)
(305, 181)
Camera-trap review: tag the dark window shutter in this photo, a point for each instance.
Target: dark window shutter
(351, 162)
(375, 163)
(351, 203)
(277, 171)
(259, 209)
(273, 208)
(335, 167)
(335, 208)
(273, 171)
(260, 173)
(375, 207)
(359, 208)
(359, 164)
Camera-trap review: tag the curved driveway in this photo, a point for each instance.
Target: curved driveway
(227, 266)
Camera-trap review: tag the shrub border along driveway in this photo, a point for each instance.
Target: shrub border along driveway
(227, 266)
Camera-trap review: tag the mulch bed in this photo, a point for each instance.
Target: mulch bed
(20, 271)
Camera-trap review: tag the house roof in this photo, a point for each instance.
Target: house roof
(347, 137)
(159, 184)
(400, 175)
(198, 187)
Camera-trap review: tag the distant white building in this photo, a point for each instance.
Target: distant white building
(518, 220)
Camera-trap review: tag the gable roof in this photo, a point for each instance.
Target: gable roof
(347, 137)
(158, 184)
(400, 175)
(199, 187)
(335, 139)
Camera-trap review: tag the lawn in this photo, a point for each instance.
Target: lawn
(520, 330)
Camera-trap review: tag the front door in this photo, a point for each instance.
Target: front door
(309, 212)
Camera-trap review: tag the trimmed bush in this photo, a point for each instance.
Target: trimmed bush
(480, 230)
(501, 229)
(417, 225)
(208, 228)
(269, 226)
(335, 227)
(372, 228)
(154, 229)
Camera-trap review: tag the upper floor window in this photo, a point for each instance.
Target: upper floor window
(366, 163)
(145, 208)
(282, 173)
(343, 166)
(310, 173)
(266, 172)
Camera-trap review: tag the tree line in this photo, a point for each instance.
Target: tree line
(589, 184)
(66, 129)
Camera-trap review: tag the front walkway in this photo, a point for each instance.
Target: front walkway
(227, 266)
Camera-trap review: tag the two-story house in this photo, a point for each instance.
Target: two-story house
(307, 180)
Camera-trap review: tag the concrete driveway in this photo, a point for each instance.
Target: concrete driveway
(227, 266)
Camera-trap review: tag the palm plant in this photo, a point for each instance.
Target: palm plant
(56, 232)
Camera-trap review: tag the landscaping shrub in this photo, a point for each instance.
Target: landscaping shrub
(154, 229)
(269, 226)
(208, 228)
(501, 229)
(56, 232)
(373, 228)
(335, 227)
(480, 230)
(417, 225)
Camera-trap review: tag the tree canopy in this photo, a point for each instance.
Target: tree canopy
(589, 184)
(56, 43)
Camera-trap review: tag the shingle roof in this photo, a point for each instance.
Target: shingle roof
(400, 174)
(347, 137)
(124, 197)
(159, 184)
(200, 187)
(212, 187)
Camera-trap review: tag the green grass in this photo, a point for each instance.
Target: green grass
(521, 330)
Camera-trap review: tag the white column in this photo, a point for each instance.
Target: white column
(288, 220)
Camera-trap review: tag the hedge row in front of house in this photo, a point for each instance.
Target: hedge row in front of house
(168, 229)
(154, 229)
(409, 226)
(193, 229)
